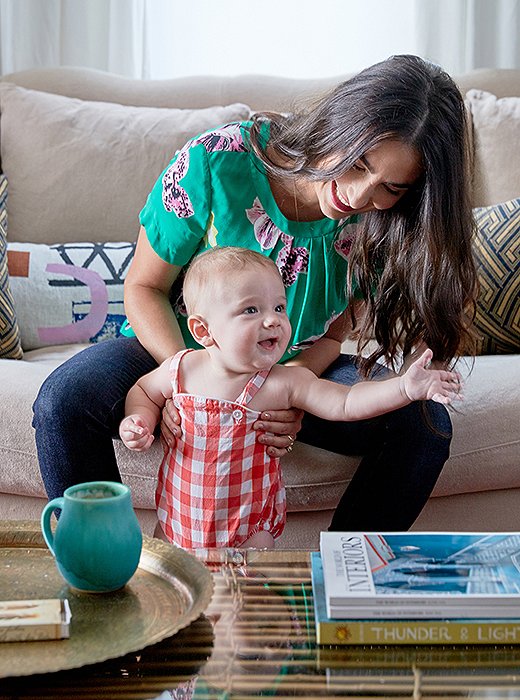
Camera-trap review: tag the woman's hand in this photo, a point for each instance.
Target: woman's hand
(278, 430)
(170, 424)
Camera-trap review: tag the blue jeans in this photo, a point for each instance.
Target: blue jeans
(78, 410)
(79, 407)
(403, 453)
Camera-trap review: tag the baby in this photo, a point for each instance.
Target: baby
(217, 486)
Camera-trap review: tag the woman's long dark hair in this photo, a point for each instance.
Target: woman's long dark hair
(413, 262)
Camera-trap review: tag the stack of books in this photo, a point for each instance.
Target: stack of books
(417, 588)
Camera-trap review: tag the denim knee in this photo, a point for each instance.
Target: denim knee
(60, 400)
(437, 419)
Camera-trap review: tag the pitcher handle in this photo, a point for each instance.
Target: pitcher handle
(46, 521)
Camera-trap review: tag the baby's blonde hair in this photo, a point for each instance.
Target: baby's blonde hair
(216, 266)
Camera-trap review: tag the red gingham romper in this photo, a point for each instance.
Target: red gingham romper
(218, 486)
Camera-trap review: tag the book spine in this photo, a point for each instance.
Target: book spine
(459, 602)
(428, 613)
(32, 633)
(416, 632)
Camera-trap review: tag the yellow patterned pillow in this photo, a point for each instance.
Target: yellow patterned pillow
(497, 249)
(9, 333)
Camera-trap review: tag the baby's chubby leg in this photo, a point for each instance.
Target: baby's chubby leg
(158, 533)
(260, 540)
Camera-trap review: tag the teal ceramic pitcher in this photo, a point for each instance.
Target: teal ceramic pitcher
(97, 542)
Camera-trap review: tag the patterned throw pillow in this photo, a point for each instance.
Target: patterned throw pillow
(497, 249)
(9, 333)
(68, 293)
(3, 201)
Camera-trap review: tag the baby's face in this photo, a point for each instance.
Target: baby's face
(248, 319)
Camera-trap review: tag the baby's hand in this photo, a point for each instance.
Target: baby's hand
(420, 383)
(135, 434)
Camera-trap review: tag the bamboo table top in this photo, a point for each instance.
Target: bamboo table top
(257, 638)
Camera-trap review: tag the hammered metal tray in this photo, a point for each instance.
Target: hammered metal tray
(169, 590)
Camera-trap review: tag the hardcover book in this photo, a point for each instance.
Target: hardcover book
(421, 575)
(34, 620)
(330, 631)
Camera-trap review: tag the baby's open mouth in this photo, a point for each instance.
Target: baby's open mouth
(268, 343)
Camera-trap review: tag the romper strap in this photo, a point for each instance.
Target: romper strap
(252, 386)
(174, 369)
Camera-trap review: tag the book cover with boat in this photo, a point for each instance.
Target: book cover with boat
(415, 574)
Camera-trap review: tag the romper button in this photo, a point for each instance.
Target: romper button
(237, 415)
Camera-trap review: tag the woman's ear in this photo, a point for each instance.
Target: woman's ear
(199, 329)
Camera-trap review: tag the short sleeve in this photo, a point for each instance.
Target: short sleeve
(177, 211)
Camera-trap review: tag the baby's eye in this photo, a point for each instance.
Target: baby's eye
(251, 310)
(280, 308)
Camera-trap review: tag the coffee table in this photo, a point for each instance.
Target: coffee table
(257, 638)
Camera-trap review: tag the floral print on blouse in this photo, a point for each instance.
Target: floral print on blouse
(215, 192)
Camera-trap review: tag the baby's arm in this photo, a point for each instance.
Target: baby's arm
(143, 406)
(371, 398)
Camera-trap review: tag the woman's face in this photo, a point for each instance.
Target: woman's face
(377, 180)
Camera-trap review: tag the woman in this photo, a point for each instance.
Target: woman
(362, 203)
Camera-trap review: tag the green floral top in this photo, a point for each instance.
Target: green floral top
(215, 192)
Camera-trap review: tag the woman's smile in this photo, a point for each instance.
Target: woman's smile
(338, 200)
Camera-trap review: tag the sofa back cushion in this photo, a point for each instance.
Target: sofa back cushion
(81, 170)
(496, 147)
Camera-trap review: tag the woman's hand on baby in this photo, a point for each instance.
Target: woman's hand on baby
(170, 424)
(135, 434)
(278, 430)
(421, 383)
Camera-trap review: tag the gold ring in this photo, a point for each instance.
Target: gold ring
(291, 438)
(289, 448)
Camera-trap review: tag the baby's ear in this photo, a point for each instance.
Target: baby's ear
(199, 329)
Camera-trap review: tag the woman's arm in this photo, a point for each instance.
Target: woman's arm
(148, 308)
(147, 304)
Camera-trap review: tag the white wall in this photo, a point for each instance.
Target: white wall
(295, 38)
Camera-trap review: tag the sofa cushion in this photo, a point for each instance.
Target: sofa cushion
(496, 246)
(496, 147)
(10, 346)
(68, 293)
(485, 436)
(80, 170)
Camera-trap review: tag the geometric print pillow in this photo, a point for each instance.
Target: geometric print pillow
(10, 347)
(68, 293)
(497, 251)
(3, 202)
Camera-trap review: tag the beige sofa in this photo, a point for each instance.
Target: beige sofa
(60, 191)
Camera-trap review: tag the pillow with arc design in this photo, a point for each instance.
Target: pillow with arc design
(70, 292)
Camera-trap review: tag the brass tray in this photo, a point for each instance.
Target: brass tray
(169, 590)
